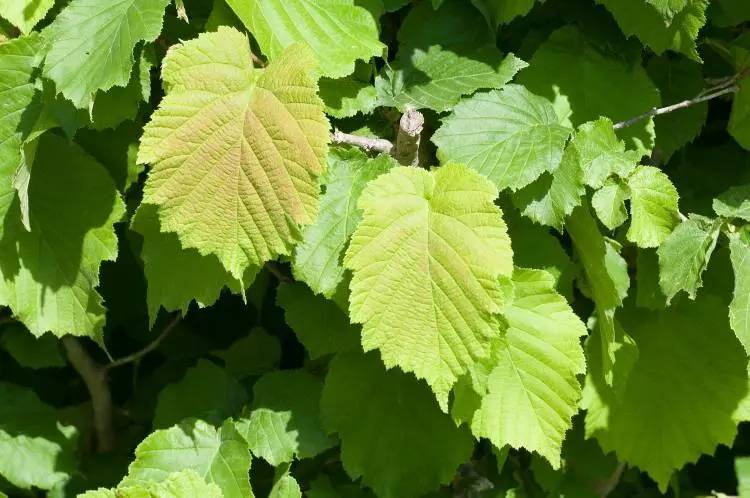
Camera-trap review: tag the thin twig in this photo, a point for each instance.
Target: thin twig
(148, 348)
(408, 138)
(95, 378)
(675, 107)
(380, 145)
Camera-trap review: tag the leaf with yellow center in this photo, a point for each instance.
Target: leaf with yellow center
(235, 151)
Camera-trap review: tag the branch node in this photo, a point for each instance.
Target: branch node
(409, 137)
(379, 145)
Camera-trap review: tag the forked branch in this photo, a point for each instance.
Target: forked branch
(95, 376)
(408, 137)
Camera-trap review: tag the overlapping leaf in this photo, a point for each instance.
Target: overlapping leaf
(656, 28)
(739, 309)
(317, 259)
(684, 255)
(91, 44)
(285, 418)
(668, 414)
(219, 456)
(50, 275)
(38, 451)
(531, 391)
(426, 259)
(511, 136)
(417, 447)
(235, 151)
(584, 83)
(338, 31)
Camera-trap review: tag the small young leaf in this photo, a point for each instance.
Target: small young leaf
(285, 418)
(609, 204)
(653, 206)
(684, 255)
(734, 203)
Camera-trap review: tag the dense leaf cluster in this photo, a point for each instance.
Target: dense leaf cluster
(374, 248)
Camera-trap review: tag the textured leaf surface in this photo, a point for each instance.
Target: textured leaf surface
(609, 204)
(668, 8)
(321, 326)
(641, 19)
(346, 97)
(532, 391)
(653, 206)
(641, 425)
(739, 309)
(177, 276)
(218, 456)
(601, 154)
(437, 78)
(317, 259)
(25, 14)
(684, 255)
(734, 203)
(418, 447)
(511, 136)
(206, 391)
(426, 259)
(338, 31)
(590, 158)
(91, 44)
(585, 83)
(285, 418)
(235, 151)
(551, 198)
(184, 484)
(18, 59)
(285, 487)
(50, 275)
(37, 450)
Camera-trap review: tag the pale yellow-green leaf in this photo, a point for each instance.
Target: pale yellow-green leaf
(235, 151)
(427, 257)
